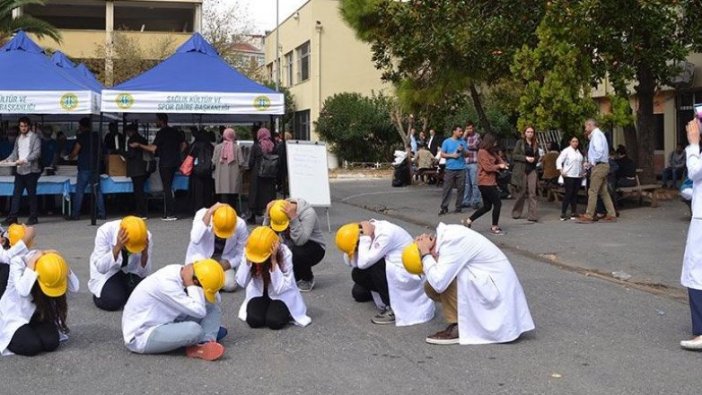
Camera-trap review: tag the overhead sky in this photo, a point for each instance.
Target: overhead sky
(262, 12)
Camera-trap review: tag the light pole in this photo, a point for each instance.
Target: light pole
(277, 58)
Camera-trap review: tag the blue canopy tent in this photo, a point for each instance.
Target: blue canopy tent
(81, 74)
(31, 84)
(194, 85)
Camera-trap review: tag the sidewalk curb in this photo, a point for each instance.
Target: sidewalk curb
(677, 294)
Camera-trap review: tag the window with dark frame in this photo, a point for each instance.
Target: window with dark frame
(303, 62)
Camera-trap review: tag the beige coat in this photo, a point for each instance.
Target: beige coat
(227, 178)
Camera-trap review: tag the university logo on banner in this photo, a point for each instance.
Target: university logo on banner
(124, 101)
(262, 103)
(69, 101)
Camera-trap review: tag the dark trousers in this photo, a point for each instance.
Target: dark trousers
(34, 338)
(231, 199)
(372, 279)
(167, 174)
(4, 275)
(572, 186)
(262, 312)
(451, 177)
(696, 310)
(304, 257)
(22, 182)
(491, 201)
(141, 207)
(201, 192)
(116, 291)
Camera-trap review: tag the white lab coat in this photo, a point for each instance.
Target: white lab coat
(408, 300)
(159, 299)
(282, 287)
(492, 307)
(103, 264)
(202, 240)
(16, 305)
(692, 260)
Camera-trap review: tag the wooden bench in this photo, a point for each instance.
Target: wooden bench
(641, 191)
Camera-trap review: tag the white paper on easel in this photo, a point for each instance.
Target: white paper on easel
(308, 172)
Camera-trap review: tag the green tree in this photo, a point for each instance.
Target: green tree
(556, 75)
(9, 25)
(439, 51)
(358, 128)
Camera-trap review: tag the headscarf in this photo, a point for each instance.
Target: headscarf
(228, 154)
(264, 140)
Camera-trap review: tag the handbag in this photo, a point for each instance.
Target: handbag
(187, 166)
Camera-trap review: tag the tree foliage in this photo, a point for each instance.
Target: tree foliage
(359, 128)
(438, 51)
(28, 23)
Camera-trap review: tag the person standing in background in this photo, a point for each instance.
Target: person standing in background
(471, 196)
(26, 155)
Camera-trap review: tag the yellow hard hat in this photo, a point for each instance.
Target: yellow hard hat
(136, 233)
(347, 238)
(224, 221)
(15, 233)
(412, 259)
(260, 243)
(210, 275)
(279, 219)
(52, 274)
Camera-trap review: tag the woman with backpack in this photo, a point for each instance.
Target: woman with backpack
(228, 160)
(201, 183)
(263, 164)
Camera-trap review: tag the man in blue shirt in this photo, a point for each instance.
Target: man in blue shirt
(598, 163)
(454, 150)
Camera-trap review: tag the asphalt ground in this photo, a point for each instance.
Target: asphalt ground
(592, 336)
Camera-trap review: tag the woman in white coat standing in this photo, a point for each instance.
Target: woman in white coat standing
(272, 297)
(218, 233)
(570, 164)
(121, 258)
(33, 310)
(479, 291)
(692, 260)
(374, 250)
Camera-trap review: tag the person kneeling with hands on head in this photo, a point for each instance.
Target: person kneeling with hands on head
(479, 292)
(16, 242)
(373, 249)
(33, 310)
(177, 306)
(272, 297)
(121, 258)
(297, 223)
(218, 233)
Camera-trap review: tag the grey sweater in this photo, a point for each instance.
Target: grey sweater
(32, 165)
(303, 228)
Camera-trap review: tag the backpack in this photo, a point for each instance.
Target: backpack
(268, 167)
(202, 166)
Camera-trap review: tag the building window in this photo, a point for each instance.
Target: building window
(660, 132)
(301, 125)
(70, 14)
(289, 68)
(303, 62)
(269, 70)
(154, 17)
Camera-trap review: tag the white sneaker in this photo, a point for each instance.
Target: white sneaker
(694, 344)
(385, 317)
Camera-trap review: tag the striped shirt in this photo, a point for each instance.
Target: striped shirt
(473, 143)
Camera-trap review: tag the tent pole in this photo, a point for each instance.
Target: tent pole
(95, 176)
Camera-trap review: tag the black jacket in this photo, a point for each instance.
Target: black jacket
(136, 166)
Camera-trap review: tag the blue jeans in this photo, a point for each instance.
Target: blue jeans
(471, 196)
(169, 337)
(82, 182)
(672, 174)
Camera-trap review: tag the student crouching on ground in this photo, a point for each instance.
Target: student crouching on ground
(297, 223)
(33, 310)
(218, 233)
(120, 260)
(15, 243)
(272, 297)
(373, 249)
(479, 292)
(177, 306)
